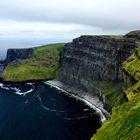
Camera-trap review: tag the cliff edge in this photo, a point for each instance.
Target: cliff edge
(107, 67)
(93, 64)
(124, 123)
(14, 54)
(38, 63)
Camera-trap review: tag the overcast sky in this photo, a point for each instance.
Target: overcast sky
(66, 19)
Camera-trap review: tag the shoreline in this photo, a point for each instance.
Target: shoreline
(92, 102)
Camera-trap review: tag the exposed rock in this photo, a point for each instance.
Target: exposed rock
(14, 54)
(1, 62)
(134, 35)
(39, 63)
(94, 58)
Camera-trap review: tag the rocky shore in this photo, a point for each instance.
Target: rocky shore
(92, 101)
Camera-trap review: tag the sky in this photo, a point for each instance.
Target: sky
(63, 20)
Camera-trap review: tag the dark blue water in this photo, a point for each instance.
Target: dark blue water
(35, 111)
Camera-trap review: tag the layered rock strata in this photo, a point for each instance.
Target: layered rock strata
(14, 54)
(94, 58)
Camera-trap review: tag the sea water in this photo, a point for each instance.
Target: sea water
(36, 111)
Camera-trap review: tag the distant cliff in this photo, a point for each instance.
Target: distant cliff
(14, 54)
(38, 63)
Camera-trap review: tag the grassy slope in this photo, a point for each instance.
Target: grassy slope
(132, 66)
(124, 123)
(112, 91)
(43, 64)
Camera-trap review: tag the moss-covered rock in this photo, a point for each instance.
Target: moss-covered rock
(132, 91)
(124, 123)
(111, 91)
(132, 67)
(42, 64)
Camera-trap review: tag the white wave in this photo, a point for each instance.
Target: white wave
(72, 118)
(54, 86)
(30, 84)
(46, 108)
(26, 101)
(4, 87)
(92, 106)
(1, 84)
(86, 109)
(63, 114)
(17, 90)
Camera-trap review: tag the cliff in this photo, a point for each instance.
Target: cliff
(38, 63)
(134, 35)
(103, 66)
(132, 69)
(93, 64)
(107, 67)
(14, 54)
(124, 123)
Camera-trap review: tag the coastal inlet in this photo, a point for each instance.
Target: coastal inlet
(37, 111)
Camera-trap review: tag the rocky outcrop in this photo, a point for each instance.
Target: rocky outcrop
(14, 54)
(132, 69)
(125, 119)
(94, 58)
(39, 63)
(133, 35)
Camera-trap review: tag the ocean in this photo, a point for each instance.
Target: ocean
(37, 111)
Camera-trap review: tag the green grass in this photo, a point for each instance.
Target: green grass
(112, 90)
(124, 123)
(132, 64)
(132, 67)
(133, 91)
(42, 64)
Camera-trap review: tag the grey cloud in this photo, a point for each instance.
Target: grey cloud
(107, 14)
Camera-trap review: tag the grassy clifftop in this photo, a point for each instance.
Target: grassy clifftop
(42, 64)
(132, 67)
(124, 123)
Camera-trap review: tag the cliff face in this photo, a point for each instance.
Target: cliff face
(94, 58)
(95, 66)
(124, 123)
(39, 63)
(133, 35)
(14, 54)
(132, 67)
(99, 65)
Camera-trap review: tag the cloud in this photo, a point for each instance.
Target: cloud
(46, 30)
(26, 23)
(106, 14)
(67, 19)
